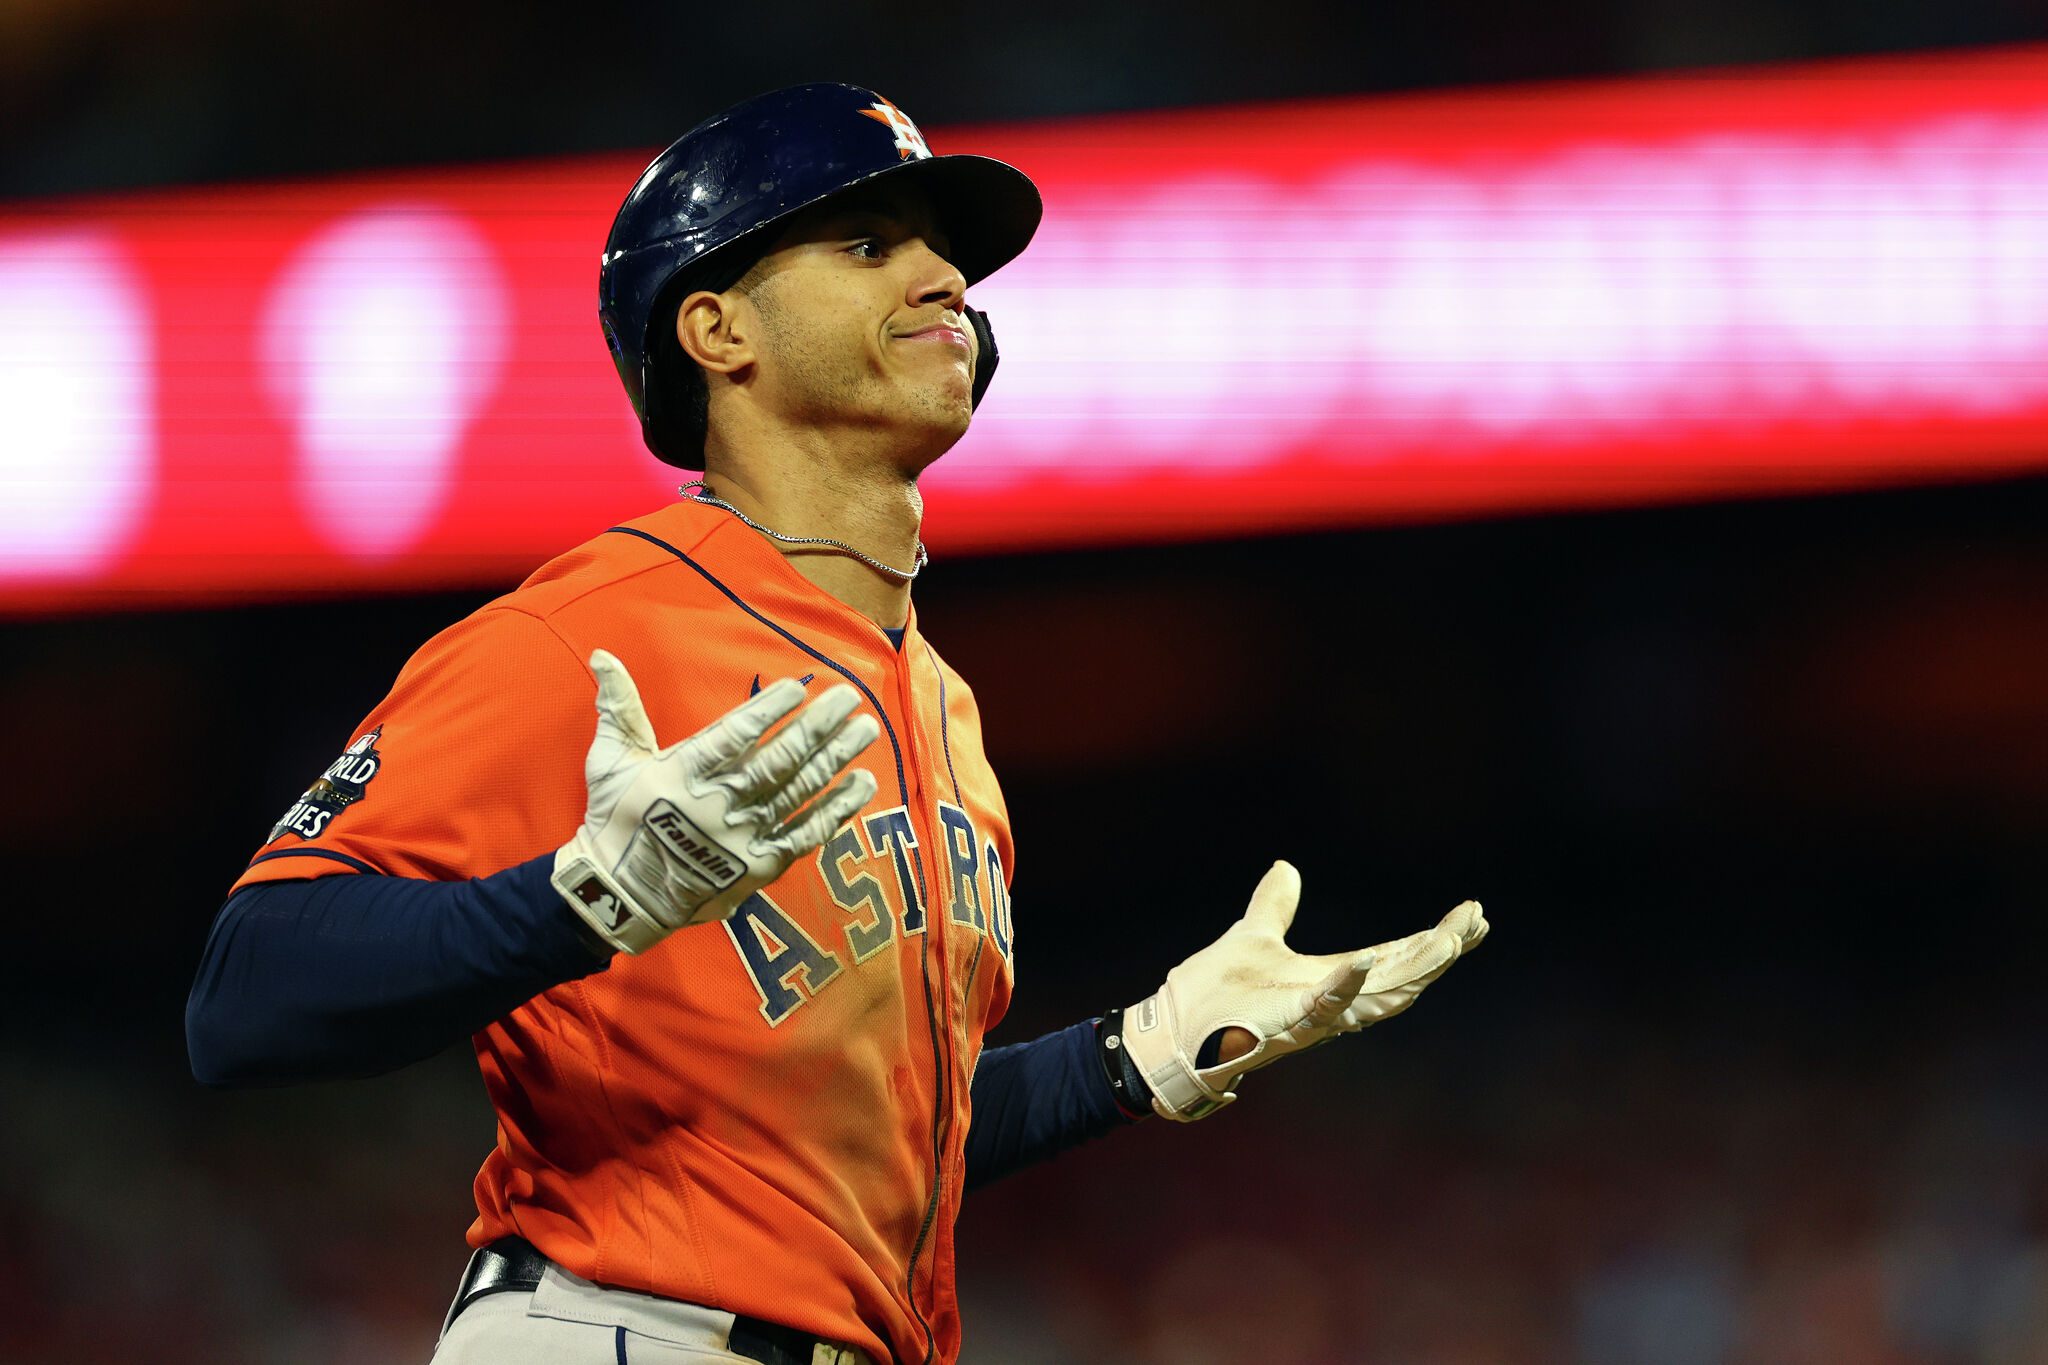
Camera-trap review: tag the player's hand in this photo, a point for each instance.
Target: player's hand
(1251, 980)
(682, 835)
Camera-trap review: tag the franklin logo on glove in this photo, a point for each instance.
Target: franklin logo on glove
(694, 845)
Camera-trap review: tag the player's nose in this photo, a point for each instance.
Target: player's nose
(934, 279)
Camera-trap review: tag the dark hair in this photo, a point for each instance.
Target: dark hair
(676, 389)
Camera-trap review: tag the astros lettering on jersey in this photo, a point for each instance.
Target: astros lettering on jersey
(769, 1116)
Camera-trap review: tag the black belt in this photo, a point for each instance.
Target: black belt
(513, 1263)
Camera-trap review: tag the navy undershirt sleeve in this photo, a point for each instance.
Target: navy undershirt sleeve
(356, 975)
(1034, 1100)
(348, 976)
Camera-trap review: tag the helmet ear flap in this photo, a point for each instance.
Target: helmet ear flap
(985, 354)
(674, 400)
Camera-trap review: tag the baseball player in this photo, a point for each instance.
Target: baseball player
(727, 989)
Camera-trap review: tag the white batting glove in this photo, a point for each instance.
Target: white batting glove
(1251, 979)
(682, 835)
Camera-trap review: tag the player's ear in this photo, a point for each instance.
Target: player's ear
(715, 331)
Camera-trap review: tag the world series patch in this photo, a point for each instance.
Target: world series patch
(340, 787)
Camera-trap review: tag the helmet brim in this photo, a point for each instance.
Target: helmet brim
(988, 209)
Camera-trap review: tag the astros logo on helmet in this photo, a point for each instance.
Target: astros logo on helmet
(909, 142)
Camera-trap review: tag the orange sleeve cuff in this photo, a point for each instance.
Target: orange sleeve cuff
(300, 864)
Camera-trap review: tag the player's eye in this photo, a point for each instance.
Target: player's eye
(868, 248)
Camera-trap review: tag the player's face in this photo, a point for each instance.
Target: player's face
(861, 323)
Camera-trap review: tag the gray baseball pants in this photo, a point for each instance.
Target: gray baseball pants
(570, 1321)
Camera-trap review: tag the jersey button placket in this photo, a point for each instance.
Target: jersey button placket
(924, 816)
(938, 914)
(925, 824)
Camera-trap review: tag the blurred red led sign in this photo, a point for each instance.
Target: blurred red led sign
(1237, 320)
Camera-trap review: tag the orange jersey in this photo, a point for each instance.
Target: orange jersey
(769, 1115)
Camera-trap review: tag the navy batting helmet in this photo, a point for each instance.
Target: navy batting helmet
(709, 207)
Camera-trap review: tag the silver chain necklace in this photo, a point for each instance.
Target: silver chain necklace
(704, 495)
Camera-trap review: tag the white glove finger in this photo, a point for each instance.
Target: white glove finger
(777, 760)
(1325, 1004)
(822, 767)
(824, 818)
(1405, 959)
(1422, 959)
(1468, 922)
(1274, 900)
(621, 716)
(1393, 986)
(729, 738)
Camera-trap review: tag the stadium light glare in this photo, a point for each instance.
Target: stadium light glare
(1234, 321)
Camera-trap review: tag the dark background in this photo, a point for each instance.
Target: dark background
(100, 93)
(1756, 796)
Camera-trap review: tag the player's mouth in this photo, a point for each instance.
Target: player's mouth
(943, 334)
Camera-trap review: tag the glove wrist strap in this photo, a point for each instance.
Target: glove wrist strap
(601, 903)
(1178, 1092)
